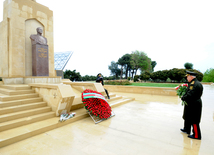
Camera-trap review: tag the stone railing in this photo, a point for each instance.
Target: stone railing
(142, 90)
(59, 97)
(81, 86)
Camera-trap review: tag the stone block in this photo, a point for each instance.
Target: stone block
(23, 14)
(29, 10)
(15, 5)
(13, 80)
(66, 98)
(41, 14)
(19, 24)
(44, 21)
(25, 8)
(16, 12)
(50, 23)
(99, 87)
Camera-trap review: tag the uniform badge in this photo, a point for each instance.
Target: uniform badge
(193, 82)
(191, 87)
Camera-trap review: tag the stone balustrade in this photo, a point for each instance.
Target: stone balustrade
(142, 90)
(59, 97)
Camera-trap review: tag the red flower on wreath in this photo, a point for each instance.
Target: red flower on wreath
(96, 103)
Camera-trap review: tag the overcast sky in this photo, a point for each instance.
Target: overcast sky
(171, 32)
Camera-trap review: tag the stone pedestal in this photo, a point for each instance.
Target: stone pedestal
(40, 61)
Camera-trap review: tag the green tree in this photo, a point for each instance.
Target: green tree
(127, 65)
(115, 71)
(209, 75)
(136, 77)
(89, 78)
(177, 74)
(86, 78)
(149, 67)
(124, 60)
(188, 65)
(145, 76)
(139, 60)
(154, 76)
(72, 75)
(164, 75)
(153, 63)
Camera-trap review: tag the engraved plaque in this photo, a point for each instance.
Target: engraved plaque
(40, 65)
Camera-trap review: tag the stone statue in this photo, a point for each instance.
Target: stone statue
(38, 38)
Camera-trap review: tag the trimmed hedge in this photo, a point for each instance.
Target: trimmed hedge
(175, 75)
(117, 82)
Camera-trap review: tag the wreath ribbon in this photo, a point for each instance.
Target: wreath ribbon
(93, 95)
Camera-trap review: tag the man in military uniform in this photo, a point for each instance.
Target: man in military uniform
(192, 111)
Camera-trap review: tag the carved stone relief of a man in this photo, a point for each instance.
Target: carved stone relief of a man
(38, 38)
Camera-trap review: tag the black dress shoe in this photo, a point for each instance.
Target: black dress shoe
(184, 131)
(192, 136)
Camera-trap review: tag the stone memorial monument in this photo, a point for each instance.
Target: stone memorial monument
(21, 18)
(40, 59)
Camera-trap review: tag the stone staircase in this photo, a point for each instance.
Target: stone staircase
(24, 114)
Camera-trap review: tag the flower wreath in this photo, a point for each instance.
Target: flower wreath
(96, 104)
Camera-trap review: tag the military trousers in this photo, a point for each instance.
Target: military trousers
(196, 129)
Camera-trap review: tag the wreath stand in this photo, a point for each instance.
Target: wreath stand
(96, 119)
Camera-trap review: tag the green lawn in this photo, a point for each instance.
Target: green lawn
(172, 85)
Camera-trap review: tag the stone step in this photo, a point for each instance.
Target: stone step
(15, 92)
(16, 87)
(20, 102)
(118, 103)
(18, 97)
(25, 113)
(17, 134)
(29, 106)
(114, 98)
(26, 120)
(2, 94)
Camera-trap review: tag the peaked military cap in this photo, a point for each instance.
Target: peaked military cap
(191, 73)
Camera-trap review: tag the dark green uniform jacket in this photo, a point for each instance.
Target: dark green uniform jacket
(192, 111)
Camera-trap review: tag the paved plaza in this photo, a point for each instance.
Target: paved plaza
(150, 125)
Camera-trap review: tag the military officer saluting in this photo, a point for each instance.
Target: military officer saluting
(193, 109)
